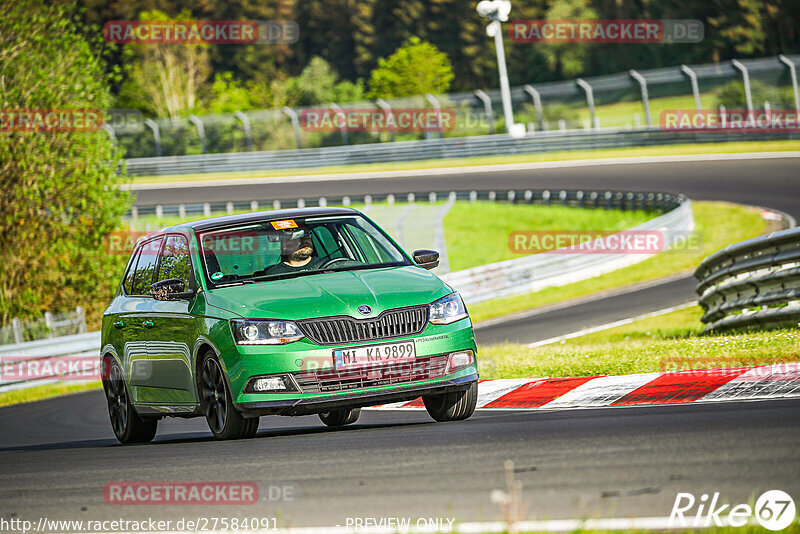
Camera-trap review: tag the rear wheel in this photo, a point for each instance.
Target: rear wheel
(128, 426)
(345, 416)
(223, 419)
(453, 406)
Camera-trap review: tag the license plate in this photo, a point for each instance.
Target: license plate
(369, 355)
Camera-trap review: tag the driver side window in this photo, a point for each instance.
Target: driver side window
(175, 261)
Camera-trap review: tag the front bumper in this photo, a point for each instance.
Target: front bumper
(354, 399)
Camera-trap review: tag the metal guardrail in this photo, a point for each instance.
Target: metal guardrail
(480, 283)
(443, 148)
(755, 283)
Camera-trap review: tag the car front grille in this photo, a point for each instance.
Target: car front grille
(391, 323)
(327, 380)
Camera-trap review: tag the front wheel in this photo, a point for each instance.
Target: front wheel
(127, 425)
(341, 417)
(453, 406)
(223, 419)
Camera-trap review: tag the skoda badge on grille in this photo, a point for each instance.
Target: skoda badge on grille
(364, 309)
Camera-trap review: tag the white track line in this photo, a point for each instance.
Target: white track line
(608, 326)
(443, 171)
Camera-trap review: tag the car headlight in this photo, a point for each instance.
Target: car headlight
(256, 332)
(448, 309)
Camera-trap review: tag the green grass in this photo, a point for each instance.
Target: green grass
(668, 150)
(668, 342)
(47, 391)
(477, 234)
(718, 223)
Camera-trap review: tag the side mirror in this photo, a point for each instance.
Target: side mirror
(429, 259)
(170, 289)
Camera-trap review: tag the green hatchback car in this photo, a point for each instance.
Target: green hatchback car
(286, 312)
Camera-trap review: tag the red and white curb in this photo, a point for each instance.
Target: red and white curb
(670, 387)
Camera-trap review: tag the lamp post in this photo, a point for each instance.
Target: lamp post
(496, 11)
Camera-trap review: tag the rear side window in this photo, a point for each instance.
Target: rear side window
(146, 267)
(128, 283)
(175, 262)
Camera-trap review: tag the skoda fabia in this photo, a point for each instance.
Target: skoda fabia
(288, 312)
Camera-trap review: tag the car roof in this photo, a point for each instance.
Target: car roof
(258, 216)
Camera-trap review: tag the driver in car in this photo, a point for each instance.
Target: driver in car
(297, 253)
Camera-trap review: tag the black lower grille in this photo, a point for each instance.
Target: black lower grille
(342, 329)
(326, 380)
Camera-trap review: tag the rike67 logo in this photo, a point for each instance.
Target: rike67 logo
(774, 510)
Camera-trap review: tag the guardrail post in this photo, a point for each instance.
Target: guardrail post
(746, 79)
(134, 213)
(182, 211)
(150, 123)
(343, 128)
(159, 211)
(110, 129)
(645, 97)
(81, 319)
(48, 321)
(201, 131)
(387, 112)
(248, 132)
(793, 75)
(292, 114)
(583, 84)
(254, 205)
(206, 209)
(537, 103)
(16, 326)
(435, 103)
(695, 88)
(487, 108)
(276, 204)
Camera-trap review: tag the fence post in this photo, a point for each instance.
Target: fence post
(435, 103)
(81, 319)
(48, 321)
(537, 103)
(150, 123)
(589, 100)
(793, 75)
(292, 114)
(746, 79)
(487, 108)
(16, 326)
(343, 128)
(645, 97)
(248, 132)
(201, 131)
(387, 111)
(695, 88)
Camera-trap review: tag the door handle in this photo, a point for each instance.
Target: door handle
(119, 324)
(148, 324)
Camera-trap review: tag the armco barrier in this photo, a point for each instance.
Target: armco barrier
(538, 271)
(445, 148)
(503, 278)
(754, 283)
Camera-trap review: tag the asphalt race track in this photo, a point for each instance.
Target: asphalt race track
(58, 455)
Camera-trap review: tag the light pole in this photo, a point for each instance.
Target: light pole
(496, 11)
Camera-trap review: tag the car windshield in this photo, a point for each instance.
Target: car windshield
(293, 247)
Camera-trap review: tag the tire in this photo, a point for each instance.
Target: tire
(345, 416)
(453, 406)
(127, 425)
(224, 421)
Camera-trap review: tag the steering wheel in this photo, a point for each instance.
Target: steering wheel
(332, 261)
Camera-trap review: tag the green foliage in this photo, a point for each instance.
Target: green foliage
(319, 84)
(59, 197)
(415, 68)
(568, 59)
(732, 95)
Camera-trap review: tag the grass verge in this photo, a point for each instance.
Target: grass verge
(668, 342)
(668, 150)
(36, 393)
(718, 223)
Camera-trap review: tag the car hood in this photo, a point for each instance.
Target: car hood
(336, 293)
